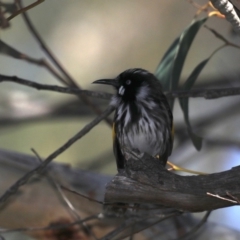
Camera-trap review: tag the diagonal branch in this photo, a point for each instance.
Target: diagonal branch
(25, 9)
(39, 169)
(71, 81)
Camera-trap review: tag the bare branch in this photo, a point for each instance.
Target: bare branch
(131, 221)
(12, 52)
(71, 81)
(23, 180)
(233, 197)
(189, 235)
(84, 196)
(25, 9)
(3, 21)
(222, 198)
(205, 93)
(67, 202)
(54, 88)
(221, 37)
(145, 180)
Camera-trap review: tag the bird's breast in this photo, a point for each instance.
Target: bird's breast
(146, 138)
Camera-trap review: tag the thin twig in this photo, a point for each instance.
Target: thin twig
(58, 188)
(205, 93)
(84, 196)
(221, 37)
(233, 197)
(65, 199)
(3, 21)
(134, 220)
(194, 93)
(53, 88)
(71, 81)
(189, 235)
(106, 204)
(12, 52)
(23, 180)
(222, 198)
(22, 10)
(43, 45)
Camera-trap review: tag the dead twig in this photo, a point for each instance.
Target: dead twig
(222, 198)
(38, 170)
(70, 80)
(22, 10)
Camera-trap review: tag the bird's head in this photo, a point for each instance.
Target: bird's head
(132, 85)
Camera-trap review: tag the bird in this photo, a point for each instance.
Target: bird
(143, 120)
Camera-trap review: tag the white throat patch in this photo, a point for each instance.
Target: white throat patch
(121, 90)
(142, 93)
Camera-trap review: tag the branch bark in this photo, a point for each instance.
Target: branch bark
(147, 181)
(204, 93)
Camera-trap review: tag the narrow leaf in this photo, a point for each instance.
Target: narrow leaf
(185, 42)
(197, 141)
(169, 69)
(164, 69)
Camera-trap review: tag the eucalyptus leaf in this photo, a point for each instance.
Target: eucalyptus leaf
(184, 102)
(169, 69)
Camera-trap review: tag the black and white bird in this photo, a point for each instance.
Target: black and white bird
(143, 119)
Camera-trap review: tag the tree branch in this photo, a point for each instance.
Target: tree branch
(25, 9)
(23, 180)
(147, 181)
(53, 88)
(71, 81)
(205, 93)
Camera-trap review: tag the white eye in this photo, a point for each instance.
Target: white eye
(128, 82)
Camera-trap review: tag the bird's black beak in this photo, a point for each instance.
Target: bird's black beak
(113, 82)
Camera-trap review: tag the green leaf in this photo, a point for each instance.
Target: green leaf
(169, 69)
(164, 69)
(197, 141)
(185, 42)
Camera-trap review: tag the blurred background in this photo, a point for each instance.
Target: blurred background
(99, 39)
